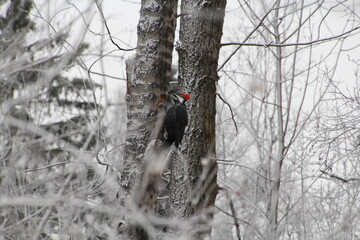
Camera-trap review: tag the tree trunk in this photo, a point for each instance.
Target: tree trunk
(148, 76)
(194, 172)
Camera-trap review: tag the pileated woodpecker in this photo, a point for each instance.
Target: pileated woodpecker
(176, 118)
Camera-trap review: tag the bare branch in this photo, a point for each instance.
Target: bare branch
(345, 180)
(231, 111)
(342, 35)
(108, 30)
(47, 167)
(248, 36)
(233, 212)
(222, 161)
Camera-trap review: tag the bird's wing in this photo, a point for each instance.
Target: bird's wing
(181, 115)
(181, 121)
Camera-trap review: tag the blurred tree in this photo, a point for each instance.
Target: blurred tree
(43, 113)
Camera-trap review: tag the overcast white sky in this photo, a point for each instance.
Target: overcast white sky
(122, 18)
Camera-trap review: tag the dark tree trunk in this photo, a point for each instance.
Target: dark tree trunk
(148, 75)
(194, 172)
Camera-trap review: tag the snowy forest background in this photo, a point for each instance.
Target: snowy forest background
(287, 121)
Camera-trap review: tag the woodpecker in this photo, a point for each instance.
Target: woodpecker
(176, 118)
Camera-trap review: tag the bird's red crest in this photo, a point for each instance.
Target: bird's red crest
(186, 96)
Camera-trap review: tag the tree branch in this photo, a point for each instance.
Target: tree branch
(233, 213)
(231, 111)
(250, 34)
(108, 30)
(289, 44)
(339, 178)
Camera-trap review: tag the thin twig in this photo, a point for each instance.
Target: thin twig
(231, 111)
(47, 167)
(247, 38)
(248, 224)
(289, 44)
(50, 208)
(108, 30)
(242, 166)
(233, 213)
(102, 163)
(340, 178)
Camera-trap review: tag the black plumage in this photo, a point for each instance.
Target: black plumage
(176, 119)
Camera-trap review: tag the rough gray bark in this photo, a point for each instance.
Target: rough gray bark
(194, 172)
(148, 75)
